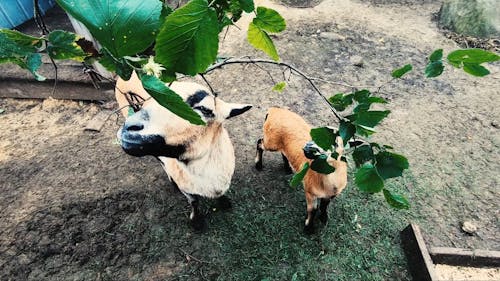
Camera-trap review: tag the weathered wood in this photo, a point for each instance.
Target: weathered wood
(31, 89)
(97, 122)
(419, 261)
(464, 257)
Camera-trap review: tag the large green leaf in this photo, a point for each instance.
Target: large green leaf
(398, 73)
(188, 41)
(346, 131)
(123, 27)
(362, 154)
(33, 63)
(298, 177)
(395, 200)
(63, 46)
(324, 137)
(320, 165)
(269, 20)
(368, 118)
(246, 5)
(472, 56)
(14, 44)
(341, 101)
(476, 69)
(390, 165)
(361, 96)
(368, 180)
(260, 40)
(169, 99)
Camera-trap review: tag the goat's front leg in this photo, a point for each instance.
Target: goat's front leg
(311, 211)
(286, 164)
(258, 156)
(196, 217)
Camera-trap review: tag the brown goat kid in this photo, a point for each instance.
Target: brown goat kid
(288, 133)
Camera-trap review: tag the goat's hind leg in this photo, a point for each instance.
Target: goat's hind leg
(286, 164)
(196, 217)
(311, 212)
(323, 208)
(258, 156)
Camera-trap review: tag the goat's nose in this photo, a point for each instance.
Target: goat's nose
(133, 127)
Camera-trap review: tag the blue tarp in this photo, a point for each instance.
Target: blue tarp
(15, 12)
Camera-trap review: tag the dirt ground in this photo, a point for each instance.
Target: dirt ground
(73, 206)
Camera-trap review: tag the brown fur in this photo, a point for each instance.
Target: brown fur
(287, 132)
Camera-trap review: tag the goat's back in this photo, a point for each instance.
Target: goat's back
(287, 132)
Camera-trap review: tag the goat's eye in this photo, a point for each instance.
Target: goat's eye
(205, 111)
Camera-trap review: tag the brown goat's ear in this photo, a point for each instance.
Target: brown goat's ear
(228, 110)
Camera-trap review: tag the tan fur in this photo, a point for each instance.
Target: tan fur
(287, 132)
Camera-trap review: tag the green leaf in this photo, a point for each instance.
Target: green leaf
(298, 177)
(63, 46)
(33, 63)
(362, 96)
(188, 41)
(279, 87)
(472, 56)
(476, 69)
(434, 69)
(398, 73)
(341, 101)
(368, 180)
(364, 131)
(169, 99)
(260, 40)
(269, 20)
(395, 200)
(120, 66)
(390, 165)
(21, 39)
(320, 165)
(123, 27)
(365, 106)
(13, 45)
(247, 5)
(324, 137)
(346, 131)
(437, 55)
(362, 154)
(368, 118)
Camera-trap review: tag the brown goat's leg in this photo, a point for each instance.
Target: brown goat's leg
(258, 156)
(311, 211)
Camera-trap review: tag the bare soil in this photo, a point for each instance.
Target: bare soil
(75, 207)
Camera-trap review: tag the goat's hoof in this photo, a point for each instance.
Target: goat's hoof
(323, 217)
(198, 223)
(309, 229)
(258, 166)
(224, 203)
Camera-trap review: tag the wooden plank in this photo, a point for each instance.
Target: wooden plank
(31, 89)
(419, 260)
(464, 257)
(97, 122)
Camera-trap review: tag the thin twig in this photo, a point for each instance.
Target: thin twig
(281, 64)
(208, 84)
(192, 257)
(37, 15)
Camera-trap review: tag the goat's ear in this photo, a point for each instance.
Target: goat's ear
(228, 110)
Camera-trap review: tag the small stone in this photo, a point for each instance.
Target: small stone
(357, 61)
(469, 227)
(327, 70)
(494, 124)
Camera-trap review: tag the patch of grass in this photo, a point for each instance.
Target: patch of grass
(262, 239)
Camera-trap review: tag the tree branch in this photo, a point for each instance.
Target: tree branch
(230, 61)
